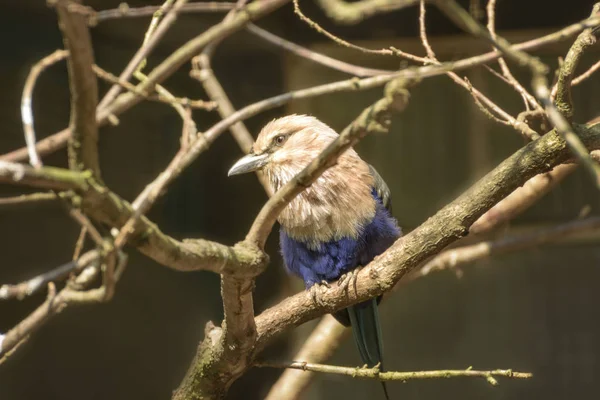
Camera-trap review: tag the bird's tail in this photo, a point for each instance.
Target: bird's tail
(364, 318)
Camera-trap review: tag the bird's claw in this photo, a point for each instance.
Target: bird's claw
(317, 290)
(349, 278)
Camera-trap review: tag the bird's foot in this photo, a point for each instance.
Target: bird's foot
(348, 279)
(316, 291)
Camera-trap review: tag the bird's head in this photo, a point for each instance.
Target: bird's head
(285, 146)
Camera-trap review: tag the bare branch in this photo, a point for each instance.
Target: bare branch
(45, 178)
(163, 96)
(54, 304)
(586, 74)
(130, 12)
(28, 198)
(529, 99)
(58, 140)
(539, 81)
(566, 73)
(322, 59)
(461, 255)
(150, 42)
(83, 151)
(374, 373)
(521, 199)
(31, 286)
(26, 102)
(386, 52)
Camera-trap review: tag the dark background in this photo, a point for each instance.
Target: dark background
(532, 311)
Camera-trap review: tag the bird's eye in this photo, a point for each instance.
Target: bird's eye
(279, 139)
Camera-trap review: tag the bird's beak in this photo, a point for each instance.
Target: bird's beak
(249, 163)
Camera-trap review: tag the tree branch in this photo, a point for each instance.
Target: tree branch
(26, 102)
(83, 148)
(374, 373)
(57, 140)
(566, 73)
(466, 254)
(96, 17)
(150, 41)
(318, 58)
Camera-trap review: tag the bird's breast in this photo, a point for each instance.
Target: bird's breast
(327, 212)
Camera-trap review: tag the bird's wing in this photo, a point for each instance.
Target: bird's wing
(382, 189)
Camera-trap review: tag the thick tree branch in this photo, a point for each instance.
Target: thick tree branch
(566, 73)
(44, 178)
(106, 207)
(83, 147)
(445, 227)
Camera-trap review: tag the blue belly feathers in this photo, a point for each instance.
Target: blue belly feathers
(330, 260)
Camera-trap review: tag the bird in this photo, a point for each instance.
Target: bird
(335, 226)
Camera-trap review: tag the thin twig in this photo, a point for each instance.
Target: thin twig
(317, 348)
(484, 103)
(374, 373)
(33, 285)
(586, 74)
(511, 80)
(42, 178)
(179, 103)
(140, 55)
(539, 81)
(125, 11)
(28, 198)
(79, 243)
(319, 58)
(342, 42)
(465, 254)
(26, 102)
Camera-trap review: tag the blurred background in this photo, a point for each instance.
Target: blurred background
(535, 310)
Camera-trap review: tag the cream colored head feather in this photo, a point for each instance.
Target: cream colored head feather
(338, 204)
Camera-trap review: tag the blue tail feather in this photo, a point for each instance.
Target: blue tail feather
(364, 318)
